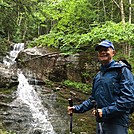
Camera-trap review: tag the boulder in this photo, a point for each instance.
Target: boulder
(46, 64)
(8, 76)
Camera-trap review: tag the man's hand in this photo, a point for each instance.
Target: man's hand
(99, 112)
(70, 109)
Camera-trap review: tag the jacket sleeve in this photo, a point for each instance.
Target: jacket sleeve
(126, 99)
(84, 106)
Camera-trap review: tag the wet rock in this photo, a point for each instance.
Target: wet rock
(8, 77)
(50, 65)
(34, 81)
(2, 104)
(37, 131)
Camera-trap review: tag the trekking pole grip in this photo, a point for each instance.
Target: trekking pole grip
(70, 100)
(98, 118)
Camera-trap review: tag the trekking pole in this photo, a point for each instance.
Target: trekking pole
(70, 100)
(98, 119)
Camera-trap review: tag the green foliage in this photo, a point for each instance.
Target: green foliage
(49, 83)
(3, 130)
(77, 85)
(72, 43)
(75, 16)
(6, 132)
(130, 131)
(17, 19)
(116, 32)
(24, 20)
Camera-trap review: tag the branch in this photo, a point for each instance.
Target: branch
(116, 3)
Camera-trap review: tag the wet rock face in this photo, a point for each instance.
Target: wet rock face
(8, 77)
(17, 115)
(46, 64)
(15, 120)
(50, 65)
(37, 132)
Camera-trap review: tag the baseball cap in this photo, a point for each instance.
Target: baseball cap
(105, 43)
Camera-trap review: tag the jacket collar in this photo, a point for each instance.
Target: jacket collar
(103, 68)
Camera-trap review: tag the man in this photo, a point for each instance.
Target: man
(112, 91)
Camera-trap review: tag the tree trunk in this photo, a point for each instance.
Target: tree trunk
(8, 36)
(122, 12)
(130, 19)
(130, 11)
(24, 33)
(112, 11)
(104, 9)
(121, 7)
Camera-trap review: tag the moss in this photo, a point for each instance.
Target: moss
(8, 90)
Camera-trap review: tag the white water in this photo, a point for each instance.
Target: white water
(26, 94)
(10, 59)
(29, 96)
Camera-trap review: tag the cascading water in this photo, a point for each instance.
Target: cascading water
(27, 104)
(10, 59)
(29, 96)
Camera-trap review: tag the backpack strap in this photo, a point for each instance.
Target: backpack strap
(119, 73)
(119, 77)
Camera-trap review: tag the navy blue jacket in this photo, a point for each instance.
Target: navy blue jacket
(113, 90)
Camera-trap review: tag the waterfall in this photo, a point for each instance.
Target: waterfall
(29, 96)
(26, 95)
(10, 59)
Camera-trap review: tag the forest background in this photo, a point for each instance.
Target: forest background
(69, 26)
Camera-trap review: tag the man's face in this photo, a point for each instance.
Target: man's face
(105, 55)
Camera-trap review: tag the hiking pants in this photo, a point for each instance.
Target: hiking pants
(112, 129)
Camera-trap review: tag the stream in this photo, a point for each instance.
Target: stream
(32, 110)
(26, 94)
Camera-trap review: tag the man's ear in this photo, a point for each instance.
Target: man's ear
(114, 52)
